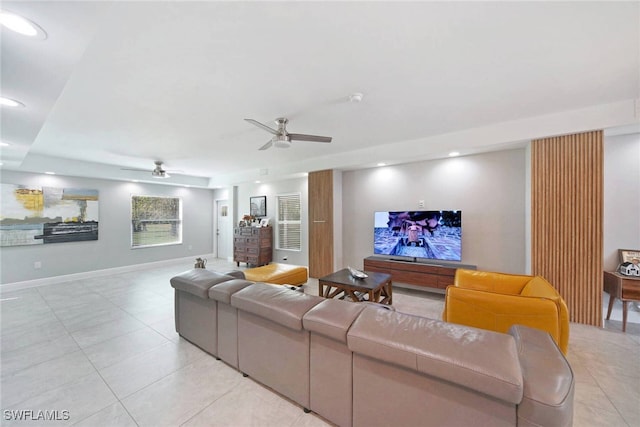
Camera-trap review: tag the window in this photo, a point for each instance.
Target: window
(155, 221)
(288, 221)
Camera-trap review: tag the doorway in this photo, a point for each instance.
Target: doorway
(223, 230)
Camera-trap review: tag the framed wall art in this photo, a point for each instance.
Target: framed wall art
(40, 215)
(258, 206)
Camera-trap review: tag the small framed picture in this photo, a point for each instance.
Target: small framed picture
(264, 222)
(258, 206)
(629, 255)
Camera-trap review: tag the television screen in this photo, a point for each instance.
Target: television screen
(419, 234)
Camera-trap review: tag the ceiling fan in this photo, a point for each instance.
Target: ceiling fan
(157, 172)
(282, 138)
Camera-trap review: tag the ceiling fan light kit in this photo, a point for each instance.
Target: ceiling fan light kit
(158, 172)
(282, 138)
(356, 97)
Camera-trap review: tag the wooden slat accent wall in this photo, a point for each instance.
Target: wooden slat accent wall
(566, 220)
(320, 223)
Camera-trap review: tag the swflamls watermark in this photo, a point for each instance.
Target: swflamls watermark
(35, 415)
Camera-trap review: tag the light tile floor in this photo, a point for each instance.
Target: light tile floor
(105, 350)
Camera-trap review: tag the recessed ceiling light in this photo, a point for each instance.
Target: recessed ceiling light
(257, 182)
(134, 180)
(50, 173)
(8, 102)
(454, 154)
(21, 25)
(4, 144)
(356, 97)
(382, 164)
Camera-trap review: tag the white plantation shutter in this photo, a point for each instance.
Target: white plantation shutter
(288, 221)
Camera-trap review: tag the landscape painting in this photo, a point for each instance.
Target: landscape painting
(40, 215)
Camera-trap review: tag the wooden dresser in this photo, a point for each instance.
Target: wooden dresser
(253, 245)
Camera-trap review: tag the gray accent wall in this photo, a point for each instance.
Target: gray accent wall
(113, 248)
(490, 189)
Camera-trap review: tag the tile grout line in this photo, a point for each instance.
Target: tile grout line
(94, 368)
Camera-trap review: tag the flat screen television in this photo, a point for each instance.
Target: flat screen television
(435, 235)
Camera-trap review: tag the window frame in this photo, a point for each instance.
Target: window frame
(179, 221)
(280, 223)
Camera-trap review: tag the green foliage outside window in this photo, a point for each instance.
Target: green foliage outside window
(155, 221)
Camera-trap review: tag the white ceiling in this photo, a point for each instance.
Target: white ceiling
(121, 84)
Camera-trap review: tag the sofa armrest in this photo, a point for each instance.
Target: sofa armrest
(539, 287)
(549, 384)
(498, 312)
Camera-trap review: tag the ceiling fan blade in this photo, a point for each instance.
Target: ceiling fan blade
(265, 146)
(261, 126)
(135, 170)
(313, 138)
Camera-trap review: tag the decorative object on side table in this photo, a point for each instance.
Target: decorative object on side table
(357, 273)
(629, 262)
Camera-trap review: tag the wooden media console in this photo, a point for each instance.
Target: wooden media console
(431, 277)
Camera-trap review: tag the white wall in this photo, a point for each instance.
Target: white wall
(271, 190)
(488, 188)
(113, 247)
(621, 196)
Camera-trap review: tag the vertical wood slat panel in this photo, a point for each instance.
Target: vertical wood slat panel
(320, 186)
(567, 220)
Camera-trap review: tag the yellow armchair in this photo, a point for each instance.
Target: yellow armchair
(495, 301)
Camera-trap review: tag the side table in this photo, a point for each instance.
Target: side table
(625, 288)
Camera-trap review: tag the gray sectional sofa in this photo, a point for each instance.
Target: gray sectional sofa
(360, 364)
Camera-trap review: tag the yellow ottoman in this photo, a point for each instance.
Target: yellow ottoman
(281, 274)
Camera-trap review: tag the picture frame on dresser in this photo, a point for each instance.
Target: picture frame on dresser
(628, 255)
(258, 206)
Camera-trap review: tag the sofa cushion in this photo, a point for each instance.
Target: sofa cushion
(238, 274)
(332, 318)
(198, 281)
(222, 292)
(278, 304)
(481, 360)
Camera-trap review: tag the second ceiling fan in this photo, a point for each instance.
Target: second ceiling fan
(282, 138)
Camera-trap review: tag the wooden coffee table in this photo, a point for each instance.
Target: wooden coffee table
(375, 288)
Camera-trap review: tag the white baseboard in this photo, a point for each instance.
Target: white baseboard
(15, 286)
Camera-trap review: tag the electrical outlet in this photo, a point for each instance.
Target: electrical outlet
(421, 203)
(37, 265)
